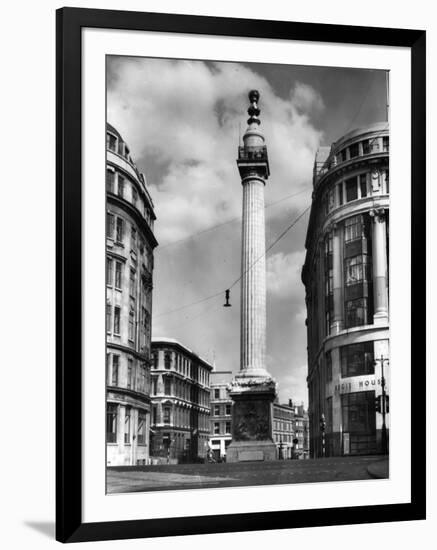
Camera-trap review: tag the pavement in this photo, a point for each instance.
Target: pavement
(380, 469)
(124, 479)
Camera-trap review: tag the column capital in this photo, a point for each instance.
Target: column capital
(378, 214)
(331, 227)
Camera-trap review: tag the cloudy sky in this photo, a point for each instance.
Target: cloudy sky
(182, 121)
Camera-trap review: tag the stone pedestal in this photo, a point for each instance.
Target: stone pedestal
(252, 420)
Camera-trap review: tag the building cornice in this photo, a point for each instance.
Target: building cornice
(164, 343)
(120, 394)
(127, 349)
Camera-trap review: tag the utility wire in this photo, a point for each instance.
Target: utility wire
(294, 222)
(232, 220)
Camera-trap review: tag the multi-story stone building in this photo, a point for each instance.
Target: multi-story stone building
(180, 394)
(291, 430)
(283, 433)
(129, 265)
(301, 430)
(221, 413)
(346, 280)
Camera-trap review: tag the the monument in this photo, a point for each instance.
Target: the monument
(253, 389)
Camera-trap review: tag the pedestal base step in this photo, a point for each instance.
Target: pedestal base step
(243, 451)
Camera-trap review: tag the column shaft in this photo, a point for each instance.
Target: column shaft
(253, 281)
(379, 259)
(337, 320)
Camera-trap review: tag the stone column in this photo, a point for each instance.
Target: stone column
(253, 389)
(337, 319)
(253, 281)
(379, 261)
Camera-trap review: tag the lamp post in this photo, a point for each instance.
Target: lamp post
(383, 360)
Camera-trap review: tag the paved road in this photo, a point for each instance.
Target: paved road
(195, 476)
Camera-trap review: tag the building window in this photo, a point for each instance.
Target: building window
(353, 150)
(142, 378)
(109, 225)
(340, 193)
(118, 274)
(110, 181)
(133, 238)
(116, 320)
(357, 312)
(216, 428)
(353, 228)
(134, 195)
(131, 331)
(154, 386)
(155, 360)
(357, 359)
(142, 424)
(329, 366)
(111, 142)
(228, 409)
(130, 373)
(228, 428)
(216, 410)
(167, 412)
(132, 285)
(385, 146)
(356, 269)
(366, 147)
(109, 269)
(363, 185)
(120, 147)
(217, 393)
(167, 360)
(358, 412)
(331, 199)
(119, 230)
(111, 423)
(115, 369)
(167, 386)
(351, 189)
(120, 185)
(108, 317)
(127, 416)
(154, 415)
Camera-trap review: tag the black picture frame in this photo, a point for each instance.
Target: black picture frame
(69, 525)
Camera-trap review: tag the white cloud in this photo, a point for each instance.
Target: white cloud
(283, 273)
(186, 115)
(306, 99)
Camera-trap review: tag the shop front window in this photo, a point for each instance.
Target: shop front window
(358, 412)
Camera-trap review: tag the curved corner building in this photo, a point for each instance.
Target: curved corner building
(346, 280)
(129, 266)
